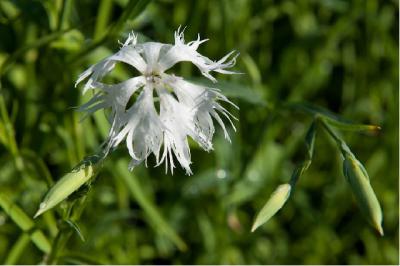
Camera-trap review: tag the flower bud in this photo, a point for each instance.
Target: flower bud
(273, 205)
(65, 187)
(358, 179)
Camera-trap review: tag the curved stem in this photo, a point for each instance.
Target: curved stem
(73, 212)
(341, 144)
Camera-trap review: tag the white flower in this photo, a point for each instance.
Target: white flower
(185, 109)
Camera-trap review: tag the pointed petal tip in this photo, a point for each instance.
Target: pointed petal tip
(189, 172)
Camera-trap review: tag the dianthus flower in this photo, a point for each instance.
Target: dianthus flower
(185, 109)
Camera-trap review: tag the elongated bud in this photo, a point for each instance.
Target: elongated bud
(65, 187)
(273, 205)
(358, 179)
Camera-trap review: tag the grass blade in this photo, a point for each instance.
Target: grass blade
(150, 209)
(17, 249)
(332, 118)
(25, 223)
(76, 229)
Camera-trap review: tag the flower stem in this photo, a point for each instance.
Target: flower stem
(73, 212)
(58, 244)
(341, 144)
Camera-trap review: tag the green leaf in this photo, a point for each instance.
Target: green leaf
(80, 258)
(25, 223)
(103, 17)
(38, 43)
(17, 249)
(351, 126)
(273, 205)
(40, 166)
(3, 136)
(132, 10)
(76, 229)
(70, 41)
(314, 110)
(332, 118)
(251, 68)
(148, 206)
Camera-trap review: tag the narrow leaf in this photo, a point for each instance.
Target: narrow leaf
(76, 229)
(148, 206)
(17, 249)
(131, 10)
(332, 118)
(351, 126)
(25, 223)
(38, 43)
(314, 110)
(80, 258)
(273, 205)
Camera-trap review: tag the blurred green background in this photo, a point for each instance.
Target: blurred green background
(340, 55)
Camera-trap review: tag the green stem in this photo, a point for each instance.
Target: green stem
(40, 166)
(17, 249)
(341, 144)
(103, 16)
(24, 222)
(73, 212)
(157, 220)
(131, 10)
(58, 244)
(10, 136)
(64, 14)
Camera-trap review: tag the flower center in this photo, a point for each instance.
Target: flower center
(153, 77)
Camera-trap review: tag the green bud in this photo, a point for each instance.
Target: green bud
(358, 179)
(273, 205)
(65, 187)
